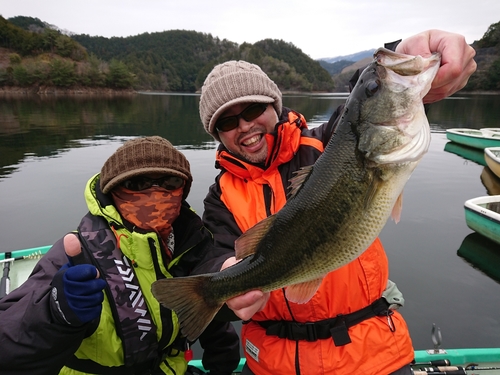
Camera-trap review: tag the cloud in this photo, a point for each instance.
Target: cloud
(320, 28)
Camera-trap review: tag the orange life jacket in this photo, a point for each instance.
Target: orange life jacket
(375, 348)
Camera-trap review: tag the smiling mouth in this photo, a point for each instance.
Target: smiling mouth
(252, 141)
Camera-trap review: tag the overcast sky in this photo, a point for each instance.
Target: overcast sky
(320, 28)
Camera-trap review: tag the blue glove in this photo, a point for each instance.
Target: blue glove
(77, 295)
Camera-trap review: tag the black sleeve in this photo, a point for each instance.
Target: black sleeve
(221, 223)
(221, 346)
(352, 82)
(392, 45)
(32, 341)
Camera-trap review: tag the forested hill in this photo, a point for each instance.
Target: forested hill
(34, 53)
(179, 60)
(487, 75)
(175, 60)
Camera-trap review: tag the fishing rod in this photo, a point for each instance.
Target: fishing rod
(458, 372)
(436, 362)
(440, 370)
(475, 366)
(8, 255)
(5, 280)
(451, 370)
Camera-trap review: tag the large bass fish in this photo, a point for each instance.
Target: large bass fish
(337, 207)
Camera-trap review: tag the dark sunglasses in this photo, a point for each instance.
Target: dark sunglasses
(248, 114)
(142, 182)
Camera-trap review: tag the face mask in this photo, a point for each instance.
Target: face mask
(150, 209)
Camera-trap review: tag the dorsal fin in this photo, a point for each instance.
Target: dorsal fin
(298, 180)
(246, 244)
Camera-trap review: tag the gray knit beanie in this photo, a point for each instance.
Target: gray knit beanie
(141, 156)
(231, 83)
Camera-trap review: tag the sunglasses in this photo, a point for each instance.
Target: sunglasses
(142, 182)
(248, 114)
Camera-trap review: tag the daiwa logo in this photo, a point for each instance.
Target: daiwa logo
(135, 296)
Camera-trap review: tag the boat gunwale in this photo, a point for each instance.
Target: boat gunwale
(493, 153)
(473, 205)
(25, 252)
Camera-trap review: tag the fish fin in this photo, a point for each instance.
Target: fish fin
(303, 292)
(371, 192)
(183, 295)
(246, 244)
(398, 207)
(298, 180)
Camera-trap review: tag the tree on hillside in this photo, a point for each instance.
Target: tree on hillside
(491, 38)
(119, 75)
(493, 76)
(30, 24)
(62, 72)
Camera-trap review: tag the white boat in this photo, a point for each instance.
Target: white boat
(482, 215)
(492, 158)
(477, 138)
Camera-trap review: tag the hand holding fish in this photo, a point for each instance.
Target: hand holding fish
(457, 60)
(245, 305)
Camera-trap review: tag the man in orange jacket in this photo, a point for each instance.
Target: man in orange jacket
(262, 145)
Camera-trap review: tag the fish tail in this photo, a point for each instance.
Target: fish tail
(183, 295)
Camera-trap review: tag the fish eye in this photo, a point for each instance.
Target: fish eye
(372, 87)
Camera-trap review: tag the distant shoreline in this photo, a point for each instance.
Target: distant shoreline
(53, 90)
(107, 91)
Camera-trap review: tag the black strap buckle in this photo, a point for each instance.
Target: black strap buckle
(311, 332)
(340, 332)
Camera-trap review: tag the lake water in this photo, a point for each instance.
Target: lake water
(50, 147)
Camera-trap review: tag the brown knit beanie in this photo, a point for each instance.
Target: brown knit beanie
(141, 156)
(231, 83)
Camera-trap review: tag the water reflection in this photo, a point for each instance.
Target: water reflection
(468, 153)
(482, 254)
(40, 127)
(490, 181)
(50, 146)
(466, 111)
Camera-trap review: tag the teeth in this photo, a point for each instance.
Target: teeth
(252, 140)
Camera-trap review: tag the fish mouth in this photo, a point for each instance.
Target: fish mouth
(406, 65)
(399, 131)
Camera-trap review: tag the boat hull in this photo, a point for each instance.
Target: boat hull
(481, 219)
(492, 159)
(477, 138)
